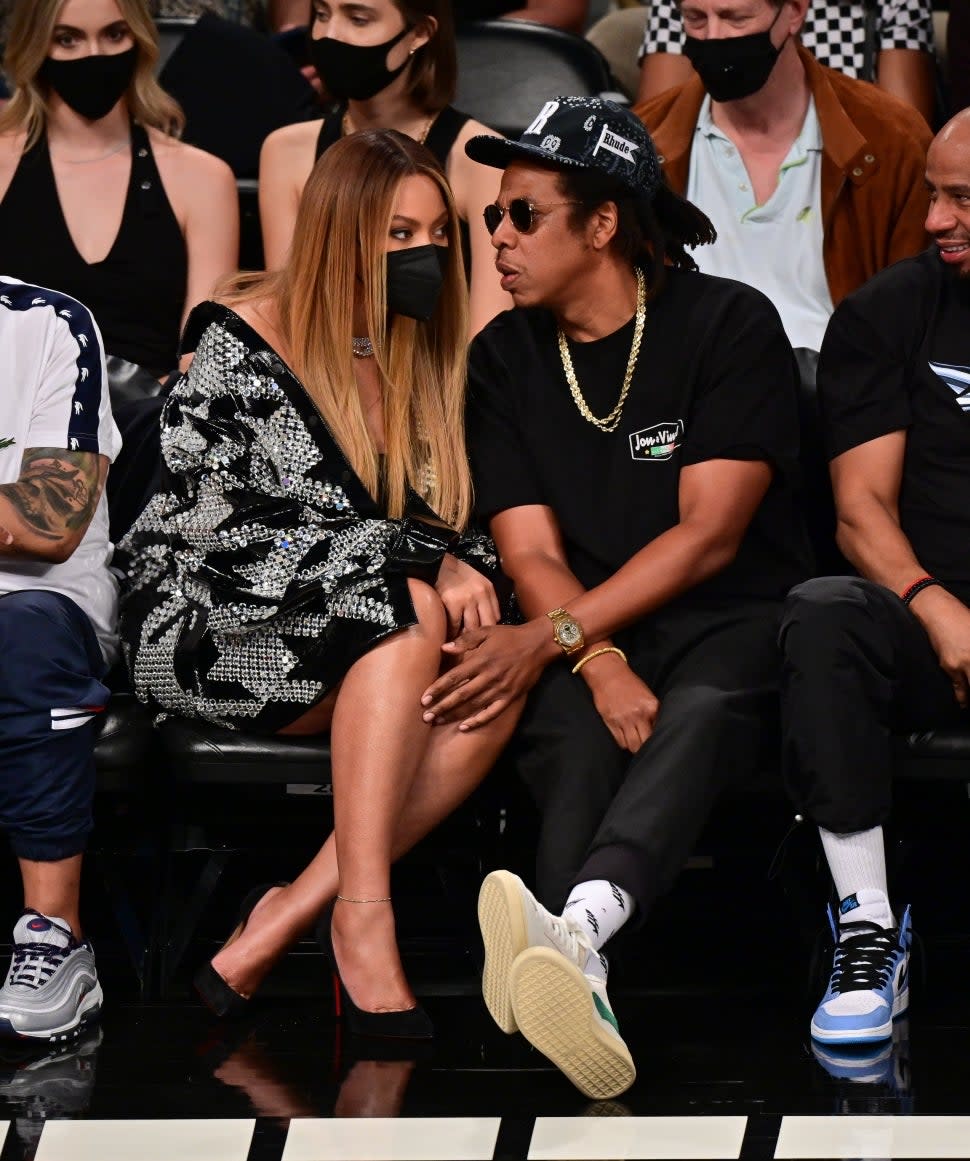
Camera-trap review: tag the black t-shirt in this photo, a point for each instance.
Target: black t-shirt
(897, 356)
(714, 380)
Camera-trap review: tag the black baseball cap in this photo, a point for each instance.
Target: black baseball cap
(581, 133)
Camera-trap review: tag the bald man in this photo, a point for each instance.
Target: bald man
(888, 651)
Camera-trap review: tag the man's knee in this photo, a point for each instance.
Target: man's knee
(821, 615)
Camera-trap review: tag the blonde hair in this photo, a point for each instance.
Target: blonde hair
(31, 26)
(339, 248)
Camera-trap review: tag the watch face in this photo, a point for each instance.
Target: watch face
(569, 633)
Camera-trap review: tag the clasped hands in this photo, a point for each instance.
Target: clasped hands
(496, 665)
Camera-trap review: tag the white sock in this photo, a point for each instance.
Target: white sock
(858, 865)
(599, 908)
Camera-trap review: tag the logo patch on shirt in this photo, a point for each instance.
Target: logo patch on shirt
(7, 441)
(957, 379)
(658, 442)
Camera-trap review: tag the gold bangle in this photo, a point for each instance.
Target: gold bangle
(598, 653)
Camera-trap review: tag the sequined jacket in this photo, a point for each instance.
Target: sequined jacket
(262, 569)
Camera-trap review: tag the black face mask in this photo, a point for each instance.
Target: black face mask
(91, 85)
(353, 72)
(414, 280)
(733, 67)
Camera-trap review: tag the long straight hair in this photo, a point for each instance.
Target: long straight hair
(339, 250)
(32, 24)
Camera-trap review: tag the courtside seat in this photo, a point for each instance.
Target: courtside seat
(126, 743)
(507, 70)
(201, 753)
(936, 754)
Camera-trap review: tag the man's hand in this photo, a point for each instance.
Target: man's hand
(495, 667)
(947, 624)
(627, 705)
(468, 597)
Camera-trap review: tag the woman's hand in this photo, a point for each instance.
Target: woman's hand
(495, 667)
(627, 705)
(468, 597)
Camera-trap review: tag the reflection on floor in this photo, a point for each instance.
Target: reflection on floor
(717, 1079)
(713, 996)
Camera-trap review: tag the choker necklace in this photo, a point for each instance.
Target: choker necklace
(92, 160)
(362, 347)
(609, 422)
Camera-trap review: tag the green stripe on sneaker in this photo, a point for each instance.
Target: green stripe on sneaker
(605, 1013)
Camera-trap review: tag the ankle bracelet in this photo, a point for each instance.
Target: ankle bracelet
(383, 899)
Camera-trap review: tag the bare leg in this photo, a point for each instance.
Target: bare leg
(454, 766)
(454, 763)
(54, 888)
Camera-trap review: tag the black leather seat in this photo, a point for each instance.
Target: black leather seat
(507, 70)
(126, 745)
(203, 754)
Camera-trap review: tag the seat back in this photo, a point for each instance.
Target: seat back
(171, 33)
(507, 70)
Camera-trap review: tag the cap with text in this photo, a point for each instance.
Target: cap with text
(581, 133)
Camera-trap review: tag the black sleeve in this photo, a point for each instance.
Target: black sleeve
(744, 403)
(501, 470)
(863, 369)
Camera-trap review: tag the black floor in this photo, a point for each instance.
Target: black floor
(713, 996)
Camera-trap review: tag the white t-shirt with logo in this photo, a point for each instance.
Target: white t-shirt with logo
(54, 393)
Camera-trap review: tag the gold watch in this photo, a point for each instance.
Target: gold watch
(567, 631)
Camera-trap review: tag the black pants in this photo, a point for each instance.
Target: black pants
(857, 668)
(634, 819)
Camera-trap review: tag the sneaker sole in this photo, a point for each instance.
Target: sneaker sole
(505, 936)
(553, 1008)
(87, 1014)
(862, 1035)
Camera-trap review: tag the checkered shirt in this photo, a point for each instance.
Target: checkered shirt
(835, 32)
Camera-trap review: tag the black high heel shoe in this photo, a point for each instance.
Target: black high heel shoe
(213, 990)
(410, 1024)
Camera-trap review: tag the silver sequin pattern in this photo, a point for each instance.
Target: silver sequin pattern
(254, 581)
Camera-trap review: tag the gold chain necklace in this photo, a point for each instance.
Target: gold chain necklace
(346, 127)
(609, 422)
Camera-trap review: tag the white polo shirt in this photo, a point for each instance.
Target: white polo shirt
(776, 247)
(54, 393)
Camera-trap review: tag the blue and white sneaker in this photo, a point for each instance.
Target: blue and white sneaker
(869, 985)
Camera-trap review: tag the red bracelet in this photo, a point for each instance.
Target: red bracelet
(923, 582)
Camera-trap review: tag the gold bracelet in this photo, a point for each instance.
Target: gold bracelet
(598, 653)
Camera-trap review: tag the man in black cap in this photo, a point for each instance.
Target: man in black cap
(633, 433)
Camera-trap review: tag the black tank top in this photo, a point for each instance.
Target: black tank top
(441, 138)
(137, 293)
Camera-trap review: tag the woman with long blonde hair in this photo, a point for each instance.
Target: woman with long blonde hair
(308, 553)
(98, 197)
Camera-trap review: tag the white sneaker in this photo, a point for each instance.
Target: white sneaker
(512, 920)
(566, 1015)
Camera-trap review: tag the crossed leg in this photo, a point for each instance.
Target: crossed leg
(394, 779)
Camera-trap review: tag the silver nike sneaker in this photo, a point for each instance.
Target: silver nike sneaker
(51, 992)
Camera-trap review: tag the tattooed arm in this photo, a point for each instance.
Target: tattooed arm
(45, 514)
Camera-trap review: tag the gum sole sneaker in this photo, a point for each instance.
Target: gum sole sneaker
(566, 1015)
(501, 917)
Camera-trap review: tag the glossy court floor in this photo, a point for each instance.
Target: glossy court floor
(712, 995)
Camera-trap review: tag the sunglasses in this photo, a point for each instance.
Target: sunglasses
(522, 214)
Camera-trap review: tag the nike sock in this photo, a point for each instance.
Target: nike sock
(858, 865)
(599, 908)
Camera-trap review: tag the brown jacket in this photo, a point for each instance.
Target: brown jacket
(874, 146)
